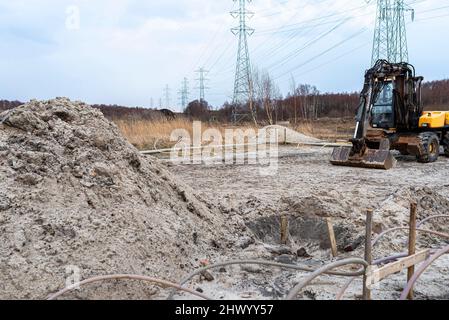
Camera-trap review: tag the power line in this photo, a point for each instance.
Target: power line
(323, 52)
(307, 29)
(336, 58)
(290, 56)
(304, 22)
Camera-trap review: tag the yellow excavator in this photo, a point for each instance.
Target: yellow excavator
(391, 117)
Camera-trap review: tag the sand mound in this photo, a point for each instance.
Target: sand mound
(288, 135)
(74, 192)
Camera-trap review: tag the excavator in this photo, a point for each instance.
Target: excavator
(391, 117)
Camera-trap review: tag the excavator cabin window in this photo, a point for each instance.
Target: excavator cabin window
(382, 114)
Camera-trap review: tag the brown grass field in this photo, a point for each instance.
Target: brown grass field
(149, 135)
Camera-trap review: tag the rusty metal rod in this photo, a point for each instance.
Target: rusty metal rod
(368, 251)
(412, 244)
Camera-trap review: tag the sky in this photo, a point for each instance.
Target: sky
(126, 51)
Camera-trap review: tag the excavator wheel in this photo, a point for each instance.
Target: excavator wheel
(430, 145)
(446, 144)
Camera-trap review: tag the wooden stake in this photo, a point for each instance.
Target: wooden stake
(332, 239)
(412, 244)
(284, 229)
(368, 251)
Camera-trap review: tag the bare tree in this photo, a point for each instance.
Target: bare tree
(266, 92)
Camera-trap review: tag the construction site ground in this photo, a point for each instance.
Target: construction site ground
(308, 189)
(78, 201)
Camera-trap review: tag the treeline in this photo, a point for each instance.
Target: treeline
(114, 112)
(6, 105)
(436, 95)
(304, 102)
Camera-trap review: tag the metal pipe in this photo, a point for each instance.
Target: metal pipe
(266, 263)
(127, 276)
(294, 292)
(190, 148)
(145, 152)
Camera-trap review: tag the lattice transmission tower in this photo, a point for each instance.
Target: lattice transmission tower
(167, 96)
(243, 85)
(202, 82)
(184, 93)
(390, 35)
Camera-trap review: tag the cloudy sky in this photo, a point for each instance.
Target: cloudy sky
(127, 51)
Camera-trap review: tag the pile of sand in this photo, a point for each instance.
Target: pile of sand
(74, 192)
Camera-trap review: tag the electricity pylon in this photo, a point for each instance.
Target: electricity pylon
(184, 93)
(390, 35)
(202, 83)
(243, 86)
(167, 97)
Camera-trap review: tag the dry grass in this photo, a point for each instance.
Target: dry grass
(147, 135)
(328, 129)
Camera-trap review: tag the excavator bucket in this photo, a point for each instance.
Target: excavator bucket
(371, 158)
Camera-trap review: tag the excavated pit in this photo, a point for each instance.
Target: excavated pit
(304, 230)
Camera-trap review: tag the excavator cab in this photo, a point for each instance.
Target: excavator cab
(382, 113)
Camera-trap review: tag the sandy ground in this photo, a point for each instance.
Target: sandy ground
(74, 193)
(308, 188)
(76, 196)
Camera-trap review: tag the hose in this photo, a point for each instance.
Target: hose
(423, 267)
(294, 292)
(440, 234)
(265, 263)
(376, 262)
(431, 218)
(341, 293)
(159, 282)
(384, 260)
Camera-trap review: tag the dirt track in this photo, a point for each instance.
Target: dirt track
(307, 188)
